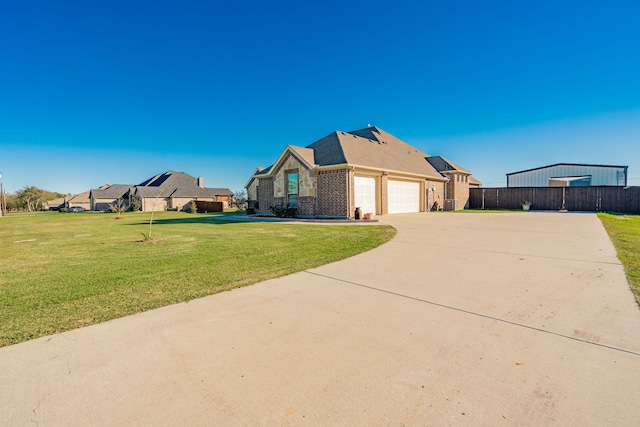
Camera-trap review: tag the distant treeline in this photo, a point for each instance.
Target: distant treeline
(29, 199)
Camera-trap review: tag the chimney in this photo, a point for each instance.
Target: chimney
(200, 182)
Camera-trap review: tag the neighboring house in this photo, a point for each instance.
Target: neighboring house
(175, 191)
(101, 199)
(368, 169)
(82, 200)
(170, 190)
(55, 204)
(569, 175)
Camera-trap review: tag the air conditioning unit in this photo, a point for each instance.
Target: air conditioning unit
(450, 204)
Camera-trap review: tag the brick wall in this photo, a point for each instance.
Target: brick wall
(462, 192)
(333, 193)
(436, 195)
(306, 206)
(458, 188)
(265, 195)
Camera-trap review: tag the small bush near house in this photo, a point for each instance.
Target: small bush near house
(63, 210)
(193, 207)
(284, 211)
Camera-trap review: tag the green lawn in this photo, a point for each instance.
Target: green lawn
(60, 271)
(624, 232)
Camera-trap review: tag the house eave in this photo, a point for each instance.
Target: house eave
(379, 171)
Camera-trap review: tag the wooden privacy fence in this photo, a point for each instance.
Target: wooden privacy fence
(209, 206)
(599, 199)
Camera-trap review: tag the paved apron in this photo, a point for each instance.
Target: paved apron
(463, 319)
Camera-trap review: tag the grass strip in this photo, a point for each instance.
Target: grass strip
(63, 271)
(624, 232)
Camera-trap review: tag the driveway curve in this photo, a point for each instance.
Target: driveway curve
(463, 319)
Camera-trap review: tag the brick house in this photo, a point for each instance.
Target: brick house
(368, 169)
(175, 191)
(169, 190)
(101, 199)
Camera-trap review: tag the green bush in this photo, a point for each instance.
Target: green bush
(136, 203)
(193, 208)
(284, 211)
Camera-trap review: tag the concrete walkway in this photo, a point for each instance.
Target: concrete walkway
(497, 319)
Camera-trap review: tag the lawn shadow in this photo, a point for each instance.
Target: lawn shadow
(214, 219)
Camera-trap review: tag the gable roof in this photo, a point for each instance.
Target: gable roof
(258, 171)
(55, 202)
(443, 165)
(305, 154)
(372, 147)
(111, 191)
(177, 184)
(80, 198)
(473, 180)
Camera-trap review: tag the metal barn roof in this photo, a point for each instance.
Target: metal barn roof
(539, 177)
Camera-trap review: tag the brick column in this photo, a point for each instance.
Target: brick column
(384, 194)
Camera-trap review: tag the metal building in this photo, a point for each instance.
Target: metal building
(569, 175)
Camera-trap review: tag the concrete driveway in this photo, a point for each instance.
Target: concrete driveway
(463, 319)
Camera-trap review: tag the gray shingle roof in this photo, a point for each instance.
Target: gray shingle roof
(372, 147)
(149, 191)
(112, 191)
(263, 171)
(178, 184)
(443, 165)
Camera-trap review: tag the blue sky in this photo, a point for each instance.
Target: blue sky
(95, 92)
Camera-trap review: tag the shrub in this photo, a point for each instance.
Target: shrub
(63, 210)
(136, 203)
(284, 211)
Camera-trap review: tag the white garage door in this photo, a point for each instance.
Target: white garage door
(365, 194)
(404, 196)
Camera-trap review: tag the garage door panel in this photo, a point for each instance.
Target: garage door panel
(404, 196)
(365, 194)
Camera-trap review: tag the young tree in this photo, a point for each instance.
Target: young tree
(119, 206)
(153, 209)
(239, 199)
